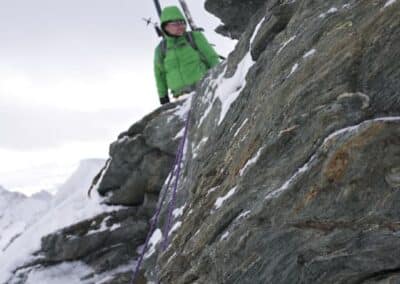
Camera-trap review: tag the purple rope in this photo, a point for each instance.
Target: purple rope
(175, 171)
(154, 221)
(173, 199)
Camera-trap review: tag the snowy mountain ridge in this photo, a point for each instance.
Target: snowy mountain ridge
(18, 212)
(25, 220)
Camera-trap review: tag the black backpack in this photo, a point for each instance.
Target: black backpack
(189, 38)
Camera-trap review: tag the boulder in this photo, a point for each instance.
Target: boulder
(142, 157)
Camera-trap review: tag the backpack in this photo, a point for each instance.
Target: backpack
(189, 38)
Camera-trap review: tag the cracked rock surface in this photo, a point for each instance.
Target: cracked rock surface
(306, 160)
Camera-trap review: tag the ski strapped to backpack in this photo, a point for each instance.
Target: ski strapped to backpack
(190, 39)
(189, 17)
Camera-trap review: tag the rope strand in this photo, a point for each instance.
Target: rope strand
(173, 199)
(175, 171)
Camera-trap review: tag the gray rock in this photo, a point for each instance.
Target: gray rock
(141, 158)
(234, 14)
(93, 240)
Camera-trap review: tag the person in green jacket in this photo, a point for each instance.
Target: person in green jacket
(181, 59)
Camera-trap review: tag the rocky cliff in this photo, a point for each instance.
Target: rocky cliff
(291, 171)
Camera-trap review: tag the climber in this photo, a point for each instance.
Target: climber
(182, 58)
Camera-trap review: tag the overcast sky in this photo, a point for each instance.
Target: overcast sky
(73, 75)
(76, 73)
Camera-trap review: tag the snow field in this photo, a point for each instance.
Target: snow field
(69, 206)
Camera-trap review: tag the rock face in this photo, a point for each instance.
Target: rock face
(291, 173)
(141, 158)
(235, 14)
(298, 183)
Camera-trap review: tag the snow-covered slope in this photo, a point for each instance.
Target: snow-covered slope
(25, 220)
(18, 212)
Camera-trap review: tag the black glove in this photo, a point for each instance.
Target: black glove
(164, 100)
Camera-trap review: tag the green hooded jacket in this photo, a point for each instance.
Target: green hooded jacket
(181, 66)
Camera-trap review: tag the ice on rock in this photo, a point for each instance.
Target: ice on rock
(155, 239)
(221, 200)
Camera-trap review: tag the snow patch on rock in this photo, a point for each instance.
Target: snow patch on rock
(241, 126)
(294, 69)
(286, 44)
(175, 227)
(178, 211)
(228, 89)
(244, 215)
(251, 161)
(332, 10)
(221, 200)
(389, 3)
(309, 53)
(155, 239)
(224, 236)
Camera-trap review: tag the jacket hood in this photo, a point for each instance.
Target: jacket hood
(171, 13)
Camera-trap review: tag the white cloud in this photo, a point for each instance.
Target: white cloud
(27, 128)
(118, 89)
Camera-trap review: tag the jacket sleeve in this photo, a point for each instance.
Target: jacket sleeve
(160, 76)
(206, 49)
